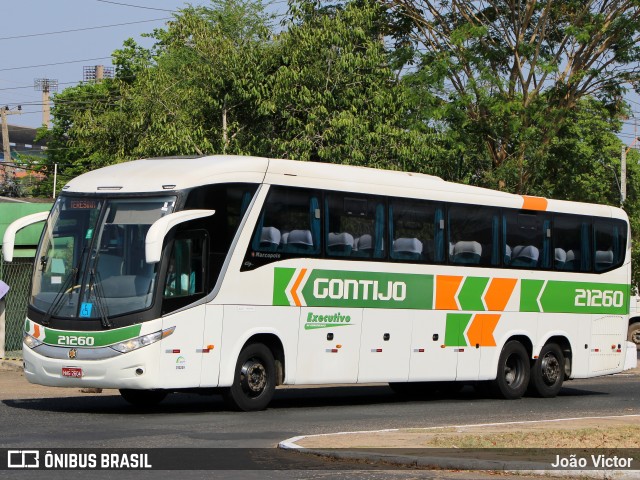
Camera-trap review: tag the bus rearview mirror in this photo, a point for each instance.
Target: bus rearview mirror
(160, 228)
(9, 239)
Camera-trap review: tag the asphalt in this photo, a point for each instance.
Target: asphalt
(384, 447)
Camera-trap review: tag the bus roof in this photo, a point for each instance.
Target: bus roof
(179, 173)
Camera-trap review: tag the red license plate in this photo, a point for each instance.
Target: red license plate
(72, 372)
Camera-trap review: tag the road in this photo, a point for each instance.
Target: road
(186, 420)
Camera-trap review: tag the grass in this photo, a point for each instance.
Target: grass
(616, 437)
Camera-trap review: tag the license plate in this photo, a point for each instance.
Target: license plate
(72, 372)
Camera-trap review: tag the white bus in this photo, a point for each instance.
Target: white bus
(238, 274)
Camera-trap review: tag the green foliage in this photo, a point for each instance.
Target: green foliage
(509, 74)
(335, 97)
(219, 80)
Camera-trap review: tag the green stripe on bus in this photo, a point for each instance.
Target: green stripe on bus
(98, 339)
(529, 292)
(349, 289)
(470, 296)
(456, 325)
(574, 297)
(281, 279)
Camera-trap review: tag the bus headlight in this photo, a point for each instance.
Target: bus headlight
(139, 342)
(30, 341)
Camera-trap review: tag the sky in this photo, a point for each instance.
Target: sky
(62, 56)
(26, 54)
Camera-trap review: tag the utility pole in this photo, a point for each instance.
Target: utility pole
(623, 169)
(623, 174)
(5, 174)
(46, 85)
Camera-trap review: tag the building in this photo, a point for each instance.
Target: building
(22, 143)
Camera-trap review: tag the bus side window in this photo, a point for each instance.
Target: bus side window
(414, 230)
(353, 227)
(473, 232)
(572, 251)
(289, 222)
(526, 240)
(185, 273)
(609, 244)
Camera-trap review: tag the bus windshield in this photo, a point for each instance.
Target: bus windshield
(91, 261)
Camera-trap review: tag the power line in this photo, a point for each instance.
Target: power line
(77, 82)
(275, 2)
(82, 29)
(134, 6)
(53, 64)
(31, 86)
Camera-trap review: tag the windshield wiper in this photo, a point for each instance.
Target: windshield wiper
(70, 280)
(98, 293)
(56, 300)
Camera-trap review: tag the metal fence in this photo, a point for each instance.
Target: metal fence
(17, 275)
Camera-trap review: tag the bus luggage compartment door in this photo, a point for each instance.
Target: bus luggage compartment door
(385, 345)
(329, 345)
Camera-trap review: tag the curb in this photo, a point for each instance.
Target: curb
(450, 463)
(445, 463)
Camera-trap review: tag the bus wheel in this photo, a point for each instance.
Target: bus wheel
(547, 372)
(513, 371)
(254, 381)
(143, 398)
(634, 334)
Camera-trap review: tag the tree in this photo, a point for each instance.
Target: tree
(583, 163)
(71, 142)
(510, 73)
(218, 59)
(336, 97)
(218, 80)
(194, 92)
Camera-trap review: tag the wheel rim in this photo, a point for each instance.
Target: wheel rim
(635, 336)
(550, 369)
(513, 371)
(253, 377)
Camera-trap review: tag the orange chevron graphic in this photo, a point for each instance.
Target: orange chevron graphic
(481, 330)
(36, 330)
(296, 285)
(446, 289)
(499, 293)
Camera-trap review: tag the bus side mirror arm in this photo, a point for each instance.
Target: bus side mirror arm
(160, 228)
(9, 239)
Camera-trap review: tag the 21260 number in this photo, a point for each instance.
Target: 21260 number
(599, 298)
(75, 341)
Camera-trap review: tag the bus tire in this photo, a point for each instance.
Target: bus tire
(547, 372)
(634, 334)
(143, 398)
(254, 381)
(513, 373)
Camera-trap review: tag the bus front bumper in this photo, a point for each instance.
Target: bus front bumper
(137, 369)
